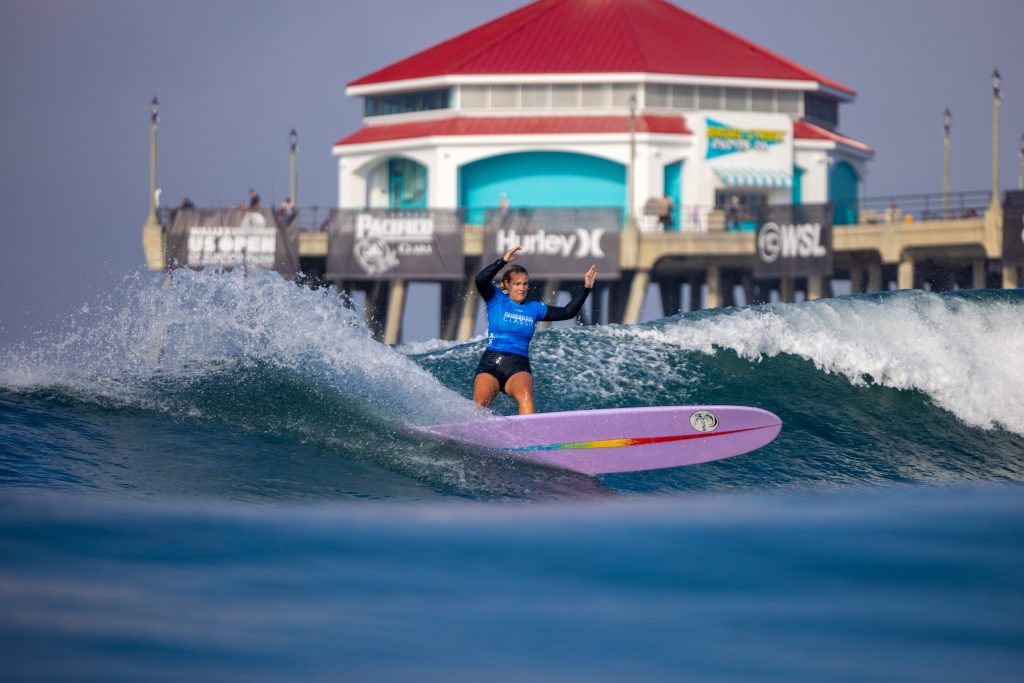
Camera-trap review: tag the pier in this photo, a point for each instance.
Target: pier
(935, 251)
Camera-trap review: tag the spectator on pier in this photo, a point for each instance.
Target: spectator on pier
(732, 221)
(665, 215)
(893, 213)
(186, 203)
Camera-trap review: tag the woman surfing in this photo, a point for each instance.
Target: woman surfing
(505, 365)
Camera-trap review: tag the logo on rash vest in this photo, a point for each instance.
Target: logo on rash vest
(517, 319)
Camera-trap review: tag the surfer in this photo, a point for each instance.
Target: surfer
(505, 365)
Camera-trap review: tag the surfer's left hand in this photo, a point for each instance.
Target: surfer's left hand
(589, 277)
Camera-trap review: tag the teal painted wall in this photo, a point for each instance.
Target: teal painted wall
(798, 185)
(842, 191)
(541, 179)
(674, 189)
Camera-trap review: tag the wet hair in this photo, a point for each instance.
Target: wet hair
(506, 277)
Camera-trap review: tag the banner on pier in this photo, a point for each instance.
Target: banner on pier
(794, 240)
(259, 238)
(380, 244)
(1013, 228)
(557, 243)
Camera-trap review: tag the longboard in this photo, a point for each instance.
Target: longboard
(620, 439)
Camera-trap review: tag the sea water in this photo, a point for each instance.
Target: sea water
(212, 478)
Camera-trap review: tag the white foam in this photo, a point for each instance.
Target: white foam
(152, 331)
(964, 352)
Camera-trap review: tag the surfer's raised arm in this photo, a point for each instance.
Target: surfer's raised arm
(572, 309)
(485, 277)
(505, 365)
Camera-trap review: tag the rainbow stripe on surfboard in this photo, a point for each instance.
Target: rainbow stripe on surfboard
(621, 443)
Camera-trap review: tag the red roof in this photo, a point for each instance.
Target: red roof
(598, 36)
(808, 131)
(516, 125)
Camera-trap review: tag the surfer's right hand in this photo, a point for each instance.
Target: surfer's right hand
(511, 254)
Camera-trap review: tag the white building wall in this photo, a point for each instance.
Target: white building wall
(359, 185)
(815, 163)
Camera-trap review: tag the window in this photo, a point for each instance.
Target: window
(474, 96)
(565, 96)
(504, 96)
(789, 102)
(656, 95)
(595, 95)
(684, 97)
(621, 92)
(823, 109)
(709, 97)
(535, 96)
(402, 103)
(736, 99)
(762, 100)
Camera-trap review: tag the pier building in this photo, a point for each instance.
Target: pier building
(634, 104)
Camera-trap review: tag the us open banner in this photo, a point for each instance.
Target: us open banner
(557, 243)
(234, 237)
(381, 245)
(1013, 228)
(794, 240)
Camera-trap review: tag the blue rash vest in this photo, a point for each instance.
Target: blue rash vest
(510, 325)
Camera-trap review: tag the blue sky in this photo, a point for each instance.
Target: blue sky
(234, 76)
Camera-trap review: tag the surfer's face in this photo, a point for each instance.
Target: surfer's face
(517, 286)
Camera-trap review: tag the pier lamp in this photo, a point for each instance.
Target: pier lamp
(154, 119)
(1020, 180)
(996, 84)
(293, 139)
(947, 124)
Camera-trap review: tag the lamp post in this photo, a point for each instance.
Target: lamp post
(154, 118)
(996, 83)
(630, 218)
(293, 139)
(1020, 180)
(947, 123)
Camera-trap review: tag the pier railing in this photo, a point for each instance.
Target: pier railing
(881, 209)
(912, 207)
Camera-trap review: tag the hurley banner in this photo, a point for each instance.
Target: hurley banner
(1013, 228)
(234, 237)
(794, 240)
(407, 244)
(557, 243)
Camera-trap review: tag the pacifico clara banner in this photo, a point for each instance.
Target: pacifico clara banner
(387, 244)
(226, 238)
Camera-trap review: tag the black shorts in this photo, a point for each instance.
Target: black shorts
(502, 365)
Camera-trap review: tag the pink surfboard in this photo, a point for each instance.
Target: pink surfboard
(620, 439)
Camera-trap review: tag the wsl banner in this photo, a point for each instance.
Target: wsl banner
(1013, 228)
(557, 243)
(794, 240)
(226, 238)
(382, 244)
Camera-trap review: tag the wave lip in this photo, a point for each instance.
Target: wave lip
(962, 350)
